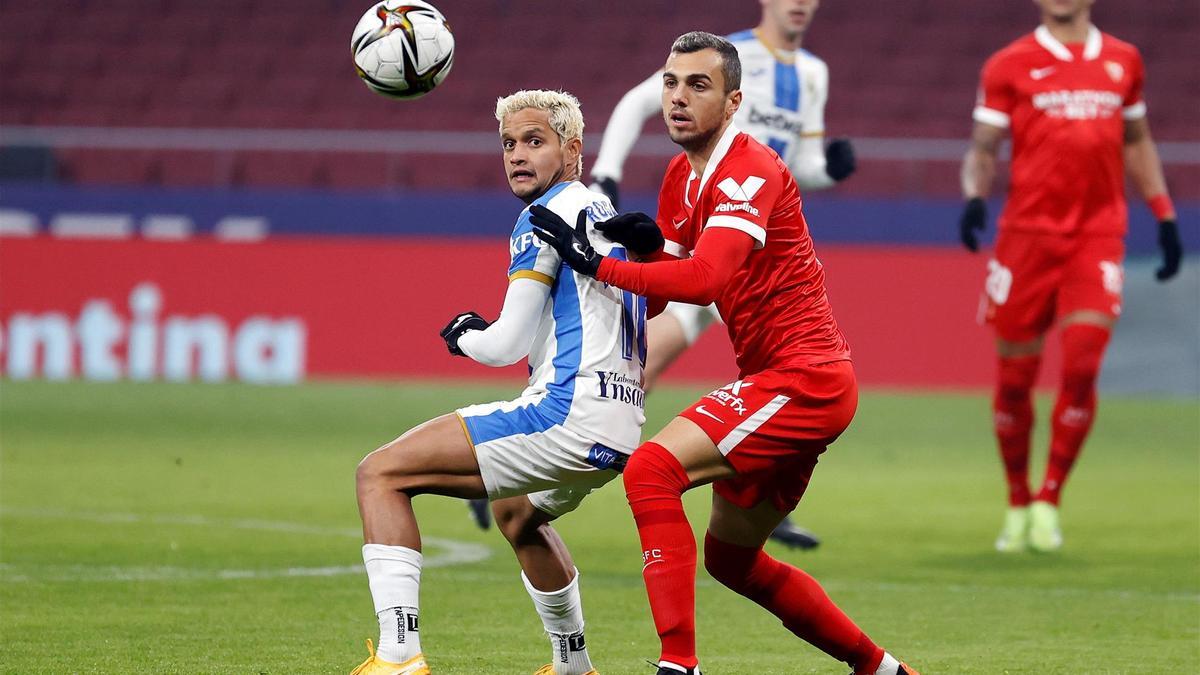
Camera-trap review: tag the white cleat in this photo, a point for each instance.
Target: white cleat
(1045, 534)
(1014, 536)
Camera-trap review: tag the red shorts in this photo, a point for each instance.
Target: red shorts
(772, 426)
(1037, 278)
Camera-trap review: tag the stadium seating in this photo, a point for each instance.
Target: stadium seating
(257, 64)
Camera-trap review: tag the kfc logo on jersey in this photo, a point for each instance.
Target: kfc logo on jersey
(1080, 104)
(523, 241)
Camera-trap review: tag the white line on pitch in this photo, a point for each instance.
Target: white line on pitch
(446, 551)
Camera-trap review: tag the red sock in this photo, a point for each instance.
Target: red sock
(793, 596)
(654, 483)
(1012, 409)
(1083, 348)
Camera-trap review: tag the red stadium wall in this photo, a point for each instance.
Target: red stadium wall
(286, 309)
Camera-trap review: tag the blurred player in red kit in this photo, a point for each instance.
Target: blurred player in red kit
(1071, 97)
(730, 230)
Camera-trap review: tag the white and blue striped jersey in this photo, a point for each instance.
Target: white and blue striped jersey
(585, 365)
(783, 94)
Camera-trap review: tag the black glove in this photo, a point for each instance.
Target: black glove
(609, 187)
(635, 231)
(839, 159)
(1172, 250)
(459, 325)
(974, 218)
(572, 244)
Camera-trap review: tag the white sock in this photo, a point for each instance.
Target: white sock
(562, 616)
(394, 573)
(888, 666)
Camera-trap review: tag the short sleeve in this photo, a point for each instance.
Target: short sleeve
(813, 122)
(1134, 105)
(530, 257)
(997, 98)
(744, 196)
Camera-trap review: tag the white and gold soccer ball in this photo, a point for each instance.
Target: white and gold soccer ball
(402, 48)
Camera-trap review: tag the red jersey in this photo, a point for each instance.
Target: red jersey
(774, 306)
(1066, 106)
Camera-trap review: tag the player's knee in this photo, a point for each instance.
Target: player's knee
(733, 566)
(380, 468)
(653, 469)
(1083, 350)
(1016, 379)
(515, 521)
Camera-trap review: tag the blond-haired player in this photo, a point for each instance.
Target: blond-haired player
(568, 433)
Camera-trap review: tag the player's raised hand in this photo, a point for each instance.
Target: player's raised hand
(461, 324)
(839, 159)
(974, 218)
(1172, 250)
(609, 187)
(635, 231)
(571, 243)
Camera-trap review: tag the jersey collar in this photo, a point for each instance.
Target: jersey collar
(785, 56)
(544, 200)
(1091, 46)
(718, 154)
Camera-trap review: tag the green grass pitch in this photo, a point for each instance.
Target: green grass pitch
(213, 529)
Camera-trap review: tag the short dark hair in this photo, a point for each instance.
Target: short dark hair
(731, 65)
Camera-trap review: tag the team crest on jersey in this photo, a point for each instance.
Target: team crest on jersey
(1115, 70)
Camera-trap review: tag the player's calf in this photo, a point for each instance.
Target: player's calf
(799, 602)
(1075, 408)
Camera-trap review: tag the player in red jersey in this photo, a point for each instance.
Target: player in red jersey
(1072, 98)
(729, 210)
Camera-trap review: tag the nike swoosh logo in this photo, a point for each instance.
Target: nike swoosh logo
(1042, 73)
(700, 409)
(678, 224)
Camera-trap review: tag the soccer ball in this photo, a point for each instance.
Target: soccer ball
(402, 48)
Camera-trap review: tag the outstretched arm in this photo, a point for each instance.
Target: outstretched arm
(698, 280)
(638, 105)
(510, 338)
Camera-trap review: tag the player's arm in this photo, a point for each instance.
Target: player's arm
(510, 338)
(635, 107)
(978, 174)
(698, 280)
(815, 165)
(1145, 172)
(720, 251)
(993, 109)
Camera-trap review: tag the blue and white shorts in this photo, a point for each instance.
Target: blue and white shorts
(522, 453)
